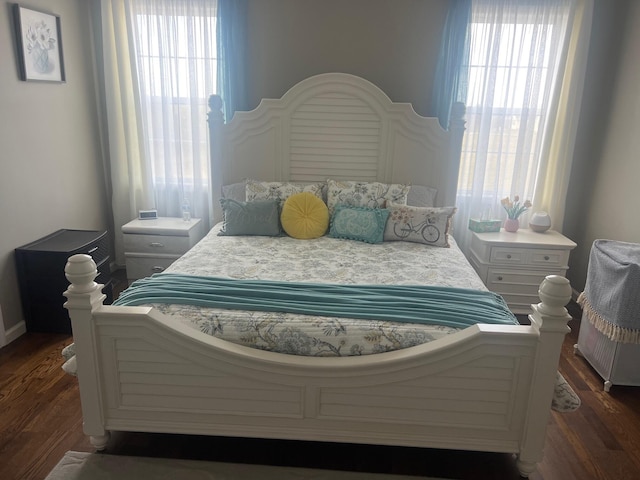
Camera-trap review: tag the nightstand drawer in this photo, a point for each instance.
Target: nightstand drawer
(529, 256)
(140, 266)
(156, 244)
(516, 282)
(553, 258)
(508, 255)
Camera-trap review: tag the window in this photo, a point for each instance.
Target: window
(175, 62)
(515, 52)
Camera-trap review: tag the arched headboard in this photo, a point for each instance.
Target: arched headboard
(334, 125)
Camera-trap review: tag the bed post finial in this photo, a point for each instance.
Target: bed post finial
(215, 106)
(84, 293)
(81, 271)
(555, 293)
(456, 119)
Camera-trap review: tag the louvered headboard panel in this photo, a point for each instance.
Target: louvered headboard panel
(333, 125)
(330, 134)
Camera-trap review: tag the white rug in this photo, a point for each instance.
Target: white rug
(94, 466)
(564, 398)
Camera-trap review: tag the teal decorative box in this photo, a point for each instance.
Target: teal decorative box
(483, 226)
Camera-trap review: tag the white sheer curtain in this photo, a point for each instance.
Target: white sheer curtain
(526, 70)
(159, 67)
(129, 176)
(174, 45)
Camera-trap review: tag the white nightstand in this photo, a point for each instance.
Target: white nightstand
(150, 246)
(514, 264)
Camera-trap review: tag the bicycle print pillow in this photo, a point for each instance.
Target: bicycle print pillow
(428, 225)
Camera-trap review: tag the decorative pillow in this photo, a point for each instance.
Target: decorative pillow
(422, 196)
(429, 225)
(364, 194)
(256, 190)
(235, 191)
(358, 223)
(304, 216)
(250, 218)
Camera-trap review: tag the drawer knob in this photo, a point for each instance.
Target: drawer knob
(156, 244)
(546, 257)
(500, 278)
(509, 255)
(157, 269)
(92, 250)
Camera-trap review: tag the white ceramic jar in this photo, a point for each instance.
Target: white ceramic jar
(540, 222)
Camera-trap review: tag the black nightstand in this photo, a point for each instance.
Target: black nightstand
(40, 269)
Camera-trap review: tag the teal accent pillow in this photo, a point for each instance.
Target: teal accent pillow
(358, 223)
(250, 218)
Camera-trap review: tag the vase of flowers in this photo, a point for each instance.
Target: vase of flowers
(514, 209)
(39, 41)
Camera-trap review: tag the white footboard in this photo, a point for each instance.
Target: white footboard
(485, 388)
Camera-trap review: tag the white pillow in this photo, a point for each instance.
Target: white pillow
(235, 191)
(422, 196)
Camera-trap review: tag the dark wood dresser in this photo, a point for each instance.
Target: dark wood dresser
(40, 269)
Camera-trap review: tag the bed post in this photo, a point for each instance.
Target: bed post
(84, 295)
(549, 319)
(215, 119)
(456, 131)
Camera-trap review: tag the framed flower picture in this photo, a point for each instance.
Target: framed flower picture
(39, 43)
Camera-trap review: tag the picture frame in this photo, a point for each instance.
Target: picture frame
(39, 45)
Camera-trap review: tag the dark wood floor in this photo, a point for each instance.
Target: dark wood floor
(40, 419)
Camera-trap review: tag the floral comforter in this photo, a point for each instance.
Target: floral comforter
(322, 260)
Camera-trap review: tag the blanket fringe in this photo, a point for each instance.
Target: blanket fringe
(610, 330)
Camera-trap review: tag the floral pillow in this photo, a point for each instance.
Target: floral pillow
(256, 190)
(364, 194)
(428, 225)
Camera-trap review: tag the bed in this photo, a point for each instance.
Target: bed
(162, 367)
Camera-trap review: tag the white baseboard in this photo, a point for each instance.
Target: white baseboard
(15, 332)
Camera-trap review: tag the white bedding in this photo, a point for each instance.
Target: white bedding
(321, 260)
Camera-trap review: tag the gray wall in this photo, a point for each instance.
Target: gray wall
(51, 174)
(604, 192)
(393, 44)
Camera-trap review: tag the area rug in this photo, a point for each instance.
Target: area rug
(564, 398)
(95, 466)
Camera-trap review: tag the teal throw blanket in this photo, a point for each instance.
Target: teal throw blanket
(448, 306)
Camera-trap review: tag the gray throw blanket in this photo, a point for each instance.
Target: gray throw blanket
(611, 298)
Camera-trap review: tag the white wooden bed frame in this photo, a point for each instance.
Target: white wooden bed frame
(485, 388)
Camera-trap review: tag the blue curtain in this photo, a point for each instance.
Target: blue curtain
(451, 80)
(231, 44)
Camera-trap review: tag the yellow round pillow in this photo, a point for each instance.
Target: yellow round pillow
(304, 216)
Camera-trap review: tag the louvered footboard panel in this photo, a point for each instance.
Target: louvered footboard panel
(155, 384)
(481, 394)
(149, 378)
